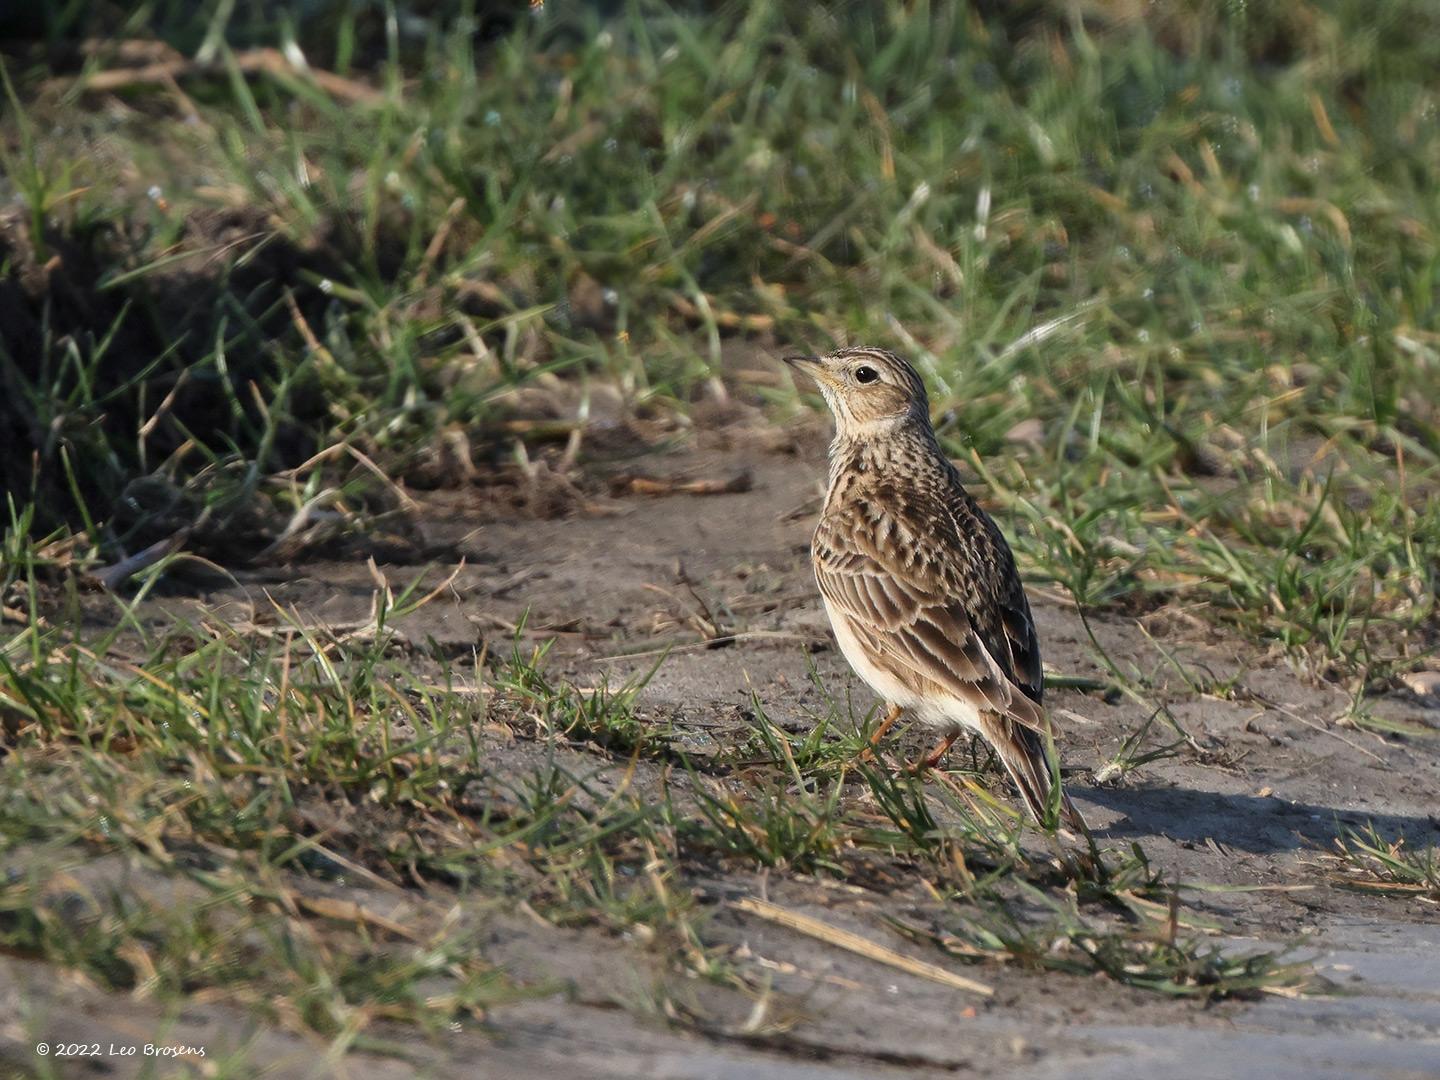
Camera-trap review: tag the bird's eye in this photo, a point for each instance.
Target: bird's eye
(866, 374)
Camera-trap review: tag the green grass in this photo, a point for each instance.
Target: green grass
(1366, 861)
(179, 811)
(233, 774)
(1194, 267)
(1172, 282)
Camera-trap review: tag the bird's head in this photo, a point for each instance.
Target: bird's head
(869, 390)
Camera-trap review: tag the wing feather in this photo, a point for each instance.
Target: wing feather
(924, 620)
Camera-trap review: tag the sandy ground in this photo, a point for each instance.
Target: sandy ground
(1276, 783)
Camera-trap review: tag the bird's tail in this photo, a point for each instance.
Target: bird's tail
(1023, 752)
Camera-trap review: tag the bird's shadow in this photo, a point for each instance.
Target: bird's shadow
(1260, 825)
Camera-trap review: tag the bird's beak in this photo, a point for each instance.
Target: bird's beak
(814, 366)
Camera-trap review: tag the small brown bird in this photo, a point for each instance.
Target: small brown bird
(920, 585)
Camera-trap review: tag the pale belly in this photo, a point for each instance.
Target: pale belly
(948, 714)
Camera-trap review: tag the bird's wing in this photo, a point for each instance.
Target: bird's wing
(926, 620)
(1016, 632)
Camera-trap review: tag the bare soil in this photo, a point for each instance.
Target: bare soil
(1277, 780)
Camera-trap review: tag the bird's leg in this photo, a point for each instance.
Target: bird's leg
(930, 760)
(868, 754)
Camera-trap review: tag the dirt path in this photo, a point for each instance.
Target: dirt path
(1275, 783)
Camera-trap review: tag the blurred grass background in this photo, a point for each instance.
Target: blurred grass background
(1171, 267)
(1168, 268)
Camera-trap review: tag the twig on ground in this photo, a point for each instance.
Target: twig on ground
(249, 62)
(648, 485)
(844, 939)
(112, 577)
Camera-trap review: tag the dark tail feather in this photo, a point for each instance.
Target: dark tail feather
(1022, 751)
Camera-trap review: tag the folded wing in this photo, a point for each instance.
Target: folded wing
(932, 620)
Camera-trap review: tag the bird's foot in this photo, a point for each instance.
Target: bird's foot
(930, 760)
(868, 754)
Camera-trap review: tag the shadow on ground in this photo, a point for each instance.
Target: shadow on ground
(1261, 825)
